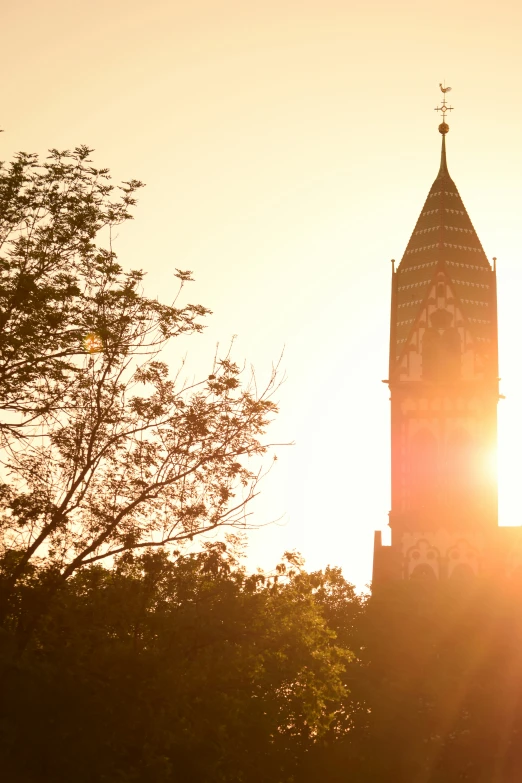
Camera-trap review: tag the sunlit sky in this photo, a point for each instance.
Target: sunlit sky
(288, 147)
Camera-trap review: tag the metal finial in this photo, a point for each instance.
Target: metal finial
(443, 108)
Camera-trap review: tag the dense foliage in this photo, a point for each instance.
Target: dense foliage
(189, 670)
(102, 450)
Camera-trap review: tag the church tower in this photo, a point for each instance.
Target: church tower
(443, 380)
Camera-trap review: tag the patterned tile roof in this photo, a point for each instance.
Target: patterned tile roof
(443, 239)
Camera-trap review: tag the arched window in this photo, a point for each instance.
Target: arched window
(424, 573)
(463, 479)
(441, 349)
(424, 469)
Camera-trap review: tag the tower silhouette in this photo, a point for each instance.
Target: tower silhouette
(443, 380)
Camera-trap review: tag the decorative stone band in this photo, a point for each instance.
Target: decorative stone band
(472, 320)
(417, 266)
(444, 209)
(413, 303)
(446, 228)
(478, 339)
(469, 266)
(464, 247)
(412, 285)
(424, 247)
(443, 193)
(443, 244)
(466, 282)
(455, 282)
(414, 268)
(426, 230)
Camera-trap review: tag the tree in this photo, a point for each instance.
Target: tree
(102, 451)
(53, 275)
(184, 671)
(442, 682)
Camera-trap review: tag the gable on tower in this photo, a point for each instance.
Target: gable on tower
(442, 344)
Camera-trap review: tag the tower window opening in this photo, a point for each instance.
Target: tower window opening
(441, 349)
(462, 472)
(424, 470)
(423, 573)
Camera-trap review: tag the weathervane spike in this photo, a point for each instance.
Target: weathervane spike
(443, 108)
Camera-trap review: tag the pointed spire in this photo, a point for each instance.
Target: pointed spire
(443, 170)
(443, 109)
(443, 240)
(443, 129)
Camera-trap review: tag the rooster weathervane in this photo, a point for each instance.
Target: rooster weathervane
(443, 108)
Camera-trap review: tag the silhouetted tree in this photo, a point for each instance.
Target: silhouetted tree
(181, 671)
(102, 450)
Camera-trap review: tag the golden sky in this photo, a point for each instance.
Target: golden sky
(288, 147)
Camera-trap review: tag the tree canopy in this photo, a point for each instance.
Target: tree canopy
(192, 670)
(189, 668)
(103, 450)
